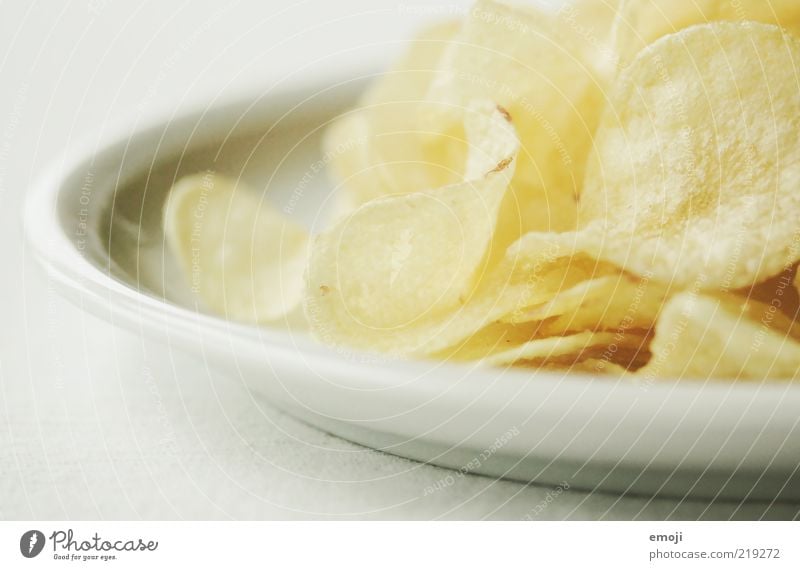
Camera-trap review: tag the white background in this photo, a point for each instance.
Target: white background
(94, 426)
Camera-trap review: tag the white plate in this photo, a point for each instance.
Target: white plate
(704, 439)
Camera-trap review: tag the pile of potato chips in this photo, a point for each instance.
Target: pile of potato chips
(609, 186)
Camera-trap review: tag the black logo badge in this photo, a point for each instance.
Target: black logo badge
(31, 543)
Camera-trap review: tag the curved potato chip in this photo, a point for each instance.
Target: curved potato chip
(694, 174)
(641, 22)
(605, 303)
(593, 24)
(704, 337)
(565, 349)
(544, 349)
(492, 338)
(500, 338)
(348, 145)
(529, 63)
(243, 259)
(379, 149)
(512, 283)
(477, 328)
(397, 259)
(410, 77)
(797, 281)
(597, 366)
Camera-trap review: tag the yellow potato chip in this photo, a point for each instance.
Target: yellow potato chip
(593, 27)
(511, 283)
(242, 259)
(506, 343)
(604, 303)
(531, 64)
(379, 149)
(641, 22)
(544, 349)
(476, 328)
(492, 338)
(702, 337)
(571, 349)
(694, 174)
(599, 366)
(398, 259)
(348, 146)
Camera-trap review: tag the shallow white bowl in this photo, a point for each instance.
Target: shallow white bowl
(94, 222)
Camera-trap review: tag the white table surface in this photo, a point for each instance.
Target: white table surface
(93, 425)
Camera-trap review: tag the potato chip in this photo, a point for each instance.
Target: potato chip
(506, 343)
(701, 337)
(511, 283)
(589, 366)
(380, 149)
(604, 303)
(492, 338)
(243, 259)
(398, 259)
(544, 349)
(475, 328)
(592, 24)
(529, 63)
(571, 349)
(410, 77)
(641, 22)
(598, 366)
(349, 148)
(516, 283)
(694, 174)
